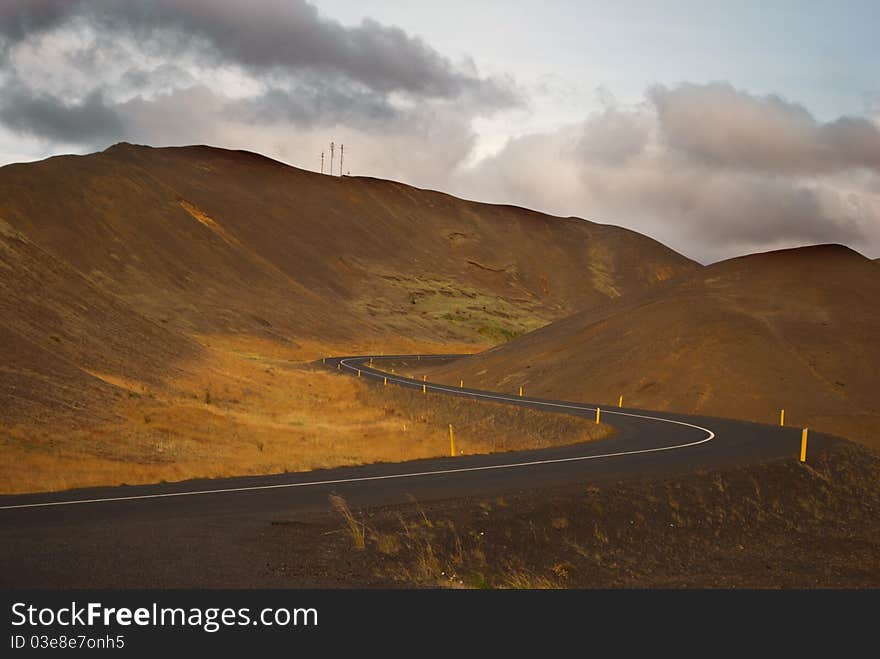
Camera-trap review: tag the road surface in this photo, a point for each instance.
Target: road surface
(45, 536)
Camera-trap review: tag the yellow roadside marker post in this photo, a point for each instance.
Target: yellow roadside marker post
(781, 417)
(598, 412)
(620, 401)
(323, 360)
(338, 366)
(385, 381)
(520, 391)
(359, 372)
(804, 444)
(461, 384)
(424, 378)
(371, 362)
(424, 389)
(451, 441)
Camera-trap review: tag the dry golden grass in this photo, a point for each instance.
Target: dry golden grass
(782, 524)
(257, 407)
(433, 551)
(525, 580)
(479, 426)
(357, 530)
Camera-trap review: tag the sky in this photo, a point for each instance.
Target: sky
(718, 128)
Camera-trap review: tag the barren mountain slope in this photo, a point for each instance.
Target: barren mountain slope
(154, 300)
(212, 240)
(795, 329)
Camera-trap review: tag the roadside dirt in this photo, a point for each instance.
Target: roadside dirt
(779, 525)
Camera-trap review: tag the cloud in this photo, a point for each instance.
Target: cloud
(269, 36)
(708, 169)
(271, 75)
(49, 117)
(193, 115)
(852, 141)
(316, 103)
(423, 147)
(614, 137)
(721, 126)
(20, 18)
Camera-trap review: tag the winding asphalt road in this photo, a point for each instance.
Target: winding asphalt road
(44, 534)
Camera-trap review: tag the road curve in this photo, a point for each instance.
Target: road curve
(165, 534)
(643, 442)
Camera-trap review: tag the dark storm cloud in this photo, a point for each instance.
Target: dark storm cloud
(158, 69)
(274, 35)
(46, 116)
(317, 103)
(20, 18)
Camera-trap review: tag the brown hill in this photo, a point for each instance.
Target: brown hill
(57, 329)
(143, 284)
(795, 329)
(210, 240)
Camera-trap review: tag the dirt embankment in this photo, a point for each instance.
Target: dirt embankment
(780, 525)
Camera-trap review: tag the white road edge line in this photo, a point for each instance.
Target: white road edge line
(416, 474)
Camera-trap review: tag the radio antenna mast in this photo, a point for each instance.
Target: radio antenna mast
(322, 162)
(332, 149)
(341, 156)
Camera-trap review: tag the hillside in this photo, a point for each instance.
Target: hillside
(152, 298)
(795, 329)
(211, 240)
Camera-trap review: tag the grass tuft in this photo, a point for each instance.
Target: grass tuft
(357, 530)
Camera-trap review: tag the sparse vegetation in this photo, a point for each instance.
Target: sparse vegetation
(355, 528)
(498, 333)
(480, 426)
(189, 301)
(783, 524)
(462, 308)
(741, 338)
(254, 407)
(813, 526)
